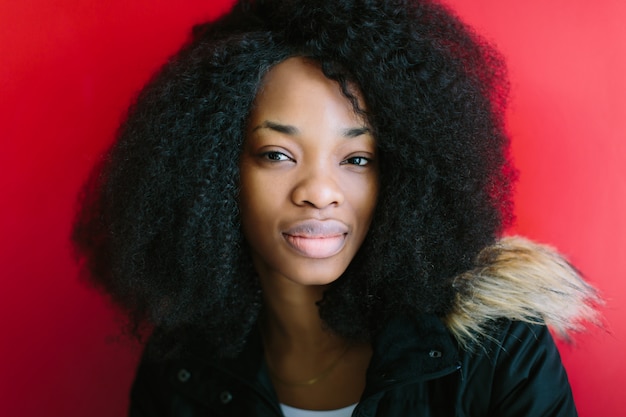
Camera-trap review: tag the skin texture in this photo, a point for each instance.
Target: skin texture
(309, 185)
(309, 180)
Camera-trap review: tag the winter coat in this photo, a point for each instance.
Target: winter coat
(491, 356)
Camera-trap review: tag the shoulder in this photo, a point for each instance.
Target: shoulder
(195, 382)
(163, 385)
(509, 342)
(518, 372)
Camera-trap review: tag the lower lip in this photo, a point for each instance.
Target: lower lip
(316, 248)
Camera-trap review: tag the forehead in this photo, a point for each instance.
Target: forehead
(299, 83)
(293, 71)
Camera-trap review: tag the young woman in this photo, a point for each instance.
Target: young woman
(304, 208)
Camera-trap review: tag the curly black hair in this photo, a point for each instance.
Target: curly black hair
(159, 230)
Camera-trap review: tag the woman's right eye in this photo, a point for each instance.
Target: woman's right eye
(275, 156)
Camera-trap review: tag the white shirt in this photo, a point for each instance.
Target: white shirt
(297, 412)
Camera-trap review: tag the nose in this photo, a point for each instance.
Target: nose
(317, 188)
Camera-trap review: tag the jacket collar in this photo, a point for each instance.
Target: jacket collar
(221, 377)
(249, 367)
(408, 349)
(411, 349)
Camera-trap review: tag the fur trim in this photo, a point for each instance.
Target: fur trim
(521, 280)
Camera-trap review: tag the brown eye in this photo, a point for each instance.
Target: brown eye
(275, 156)
(357, 160)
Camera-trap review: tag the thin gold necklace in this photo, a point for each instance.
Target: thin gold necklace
(311, 381)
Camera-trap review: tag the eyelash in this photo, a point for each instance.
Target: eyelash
(363, 161)
(272, 156)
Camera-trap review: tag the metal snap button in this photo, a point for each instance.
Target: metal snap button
(435, 354)
(226, 397)
(184, 375)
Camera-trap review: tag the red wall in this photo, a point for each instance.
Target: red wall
(68, 68)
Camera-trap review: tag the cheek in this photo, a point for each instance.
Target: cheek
(258, 193)
(257, 205)
(364, 196)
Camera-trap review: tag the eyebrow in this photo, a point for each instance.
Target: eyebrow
(293, 131)
(356, 132)
(286, 129)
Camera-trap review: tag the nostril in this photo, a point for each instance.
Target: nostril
(318, 192)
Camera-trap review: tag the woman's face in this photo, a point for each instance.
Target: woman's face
(309, 177)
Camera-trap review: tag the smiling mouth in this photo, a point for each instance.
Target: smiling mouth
(316, 247)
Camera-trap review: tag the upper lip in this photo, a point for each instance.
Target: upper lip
(317, 229)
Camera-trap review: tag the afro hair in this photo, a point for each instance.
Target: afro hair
(159, 230)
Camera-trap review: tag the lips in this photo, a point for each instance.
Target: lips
(317, 239)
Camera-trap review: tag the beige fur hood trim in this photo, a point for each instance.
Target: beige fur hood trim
(521, 280)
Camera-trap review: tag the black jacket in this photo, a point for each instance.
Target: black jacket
(417, 369)
(487, 357)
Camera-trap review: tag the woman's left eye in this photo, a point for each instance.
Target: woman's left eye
(357, 160)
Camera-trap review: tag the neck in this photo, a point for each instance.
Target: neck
(311, 367)
(291, 319)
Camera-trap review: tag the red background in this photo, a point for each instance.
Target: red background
(68, 69)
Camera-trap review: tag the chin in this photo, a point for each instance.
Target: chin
(315, 280)
(315, 275)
